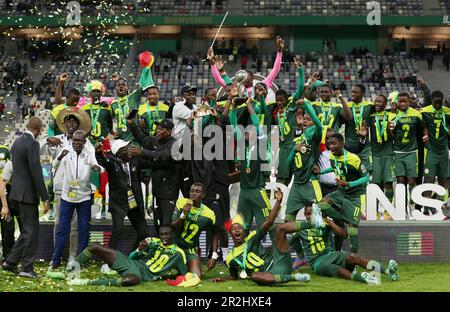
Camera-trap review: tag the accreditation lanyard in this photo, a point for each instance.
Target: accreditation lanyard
(326, 118)
(381, 132)
(357, 117)
(123, 110)
(94, 116)
(149, 114)
(336, 164)
(244, 257)
(437, 114)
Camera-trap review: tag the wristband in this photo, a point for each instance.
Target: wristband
(215, 255)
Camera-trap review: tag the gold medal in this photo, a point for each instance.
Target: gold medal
(248, 170)
(93, 132)
(124, 128)
(243, 274)
(282, 139)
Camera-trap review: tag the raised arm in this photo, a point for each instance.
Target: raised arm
(346, 113)
(59, 87)
(215, 71)
(300, 80)
(277, 65)
(274, 212)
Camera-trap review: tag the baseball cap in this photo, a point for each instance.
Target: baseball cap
(117, 145)
(187, 89)
(165, 123)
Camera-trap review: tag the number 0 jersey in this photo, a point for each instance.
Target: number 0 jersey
(257, 258)
(196, 221)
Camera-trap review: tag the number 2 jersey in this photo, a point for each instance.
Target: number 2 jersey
(197, 220)
(160, 260)
(408, 126)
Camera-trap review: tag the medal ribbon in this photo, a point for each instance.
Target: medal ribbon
(123, 110)
(281, 121)
(149, 115)
(357, 117)
(336, 164)
(197, 214)
(326, 118)
(95, 118)
(244, 257)
(382, 132)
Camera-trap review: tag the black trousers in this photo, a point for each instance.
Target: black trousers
(25, 247)
(137, 220)
(163, 211)
(8, 228)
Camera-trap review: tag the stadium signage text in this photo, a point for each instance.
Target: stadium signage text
(397, 210)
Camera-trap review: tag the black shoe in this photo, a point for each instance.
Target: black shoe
(10, 267)
(31, 274)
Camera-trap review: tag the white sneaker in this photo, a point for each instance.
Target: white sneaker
(105, 268)
(302, 277)
(370, 279)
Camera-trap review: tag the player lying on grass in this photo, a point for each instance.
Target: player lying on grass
(249, 258)
(153, 259)
(325, 261)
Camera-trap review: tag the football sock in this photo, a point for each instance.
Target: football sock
(106, 282)
(84, 257)
(356, 276)
(283, 278)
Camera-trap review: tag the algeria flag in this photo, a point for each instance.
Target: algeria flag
(415, 244)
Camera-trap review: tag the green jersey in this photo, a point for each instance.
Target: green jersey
(316, 243)
(302, 163)
(251, 256)
(407, 127)
(120, 108)
(287, 123)
(251, 174)
(198, 219)
(329, 114)
(52, 126)
(361, 111)
(151, 113)
(348, 167)
(380, 139)
(437, 123)
(160, 259)
(101, 120)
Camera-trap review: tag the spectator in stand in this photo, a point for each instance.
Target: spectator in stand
(446, 60)
(430, 59)
(244, 61)
(259, 65)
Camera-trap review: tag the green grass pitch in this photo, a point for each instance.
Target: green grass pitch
(417, 277)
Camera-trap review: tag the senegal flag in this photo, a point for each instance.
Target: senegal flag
(100, 237)
(415, 244)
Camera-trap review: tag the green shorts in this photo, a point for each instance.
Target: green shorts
(124, 266)
(435, 164)
(282, 261)
(253, 203)
(366, 157)
(191, 253)
(382, 169)
(329, 264)
(349, 207)
(407, 164)
(299, 195)
(284, 169)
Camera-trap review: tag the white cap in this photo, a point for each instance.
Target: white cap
(117, 145)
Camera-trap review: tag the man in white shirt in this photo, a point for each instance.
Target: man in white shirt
(183, 110)
(75, 163)
(69, 120)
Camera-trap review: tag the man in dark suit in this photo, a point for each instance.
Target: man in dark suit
(125, 191)
(26, 189)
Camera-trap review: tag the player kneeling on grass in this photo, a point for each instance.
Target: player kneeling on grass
(153, 259)
(318, 247)
(249, 258)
